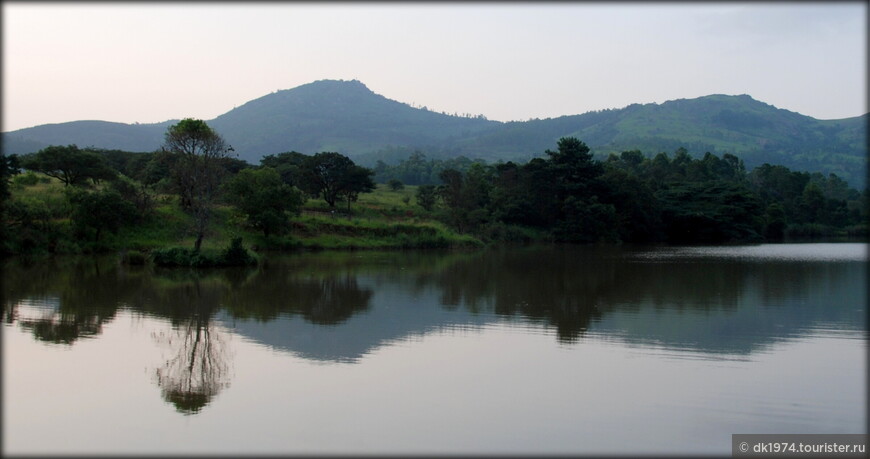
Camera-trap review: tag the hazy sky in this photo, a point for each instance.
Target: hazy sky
(150, 62)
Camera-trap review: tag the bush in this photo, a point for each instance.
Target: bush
(233, 255)
(236, 255)
(173, 256)
(27, 179)
(396, 185)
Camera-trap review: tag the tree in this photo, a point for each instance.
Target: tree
(8, 168)
(200, 152)
(426, 196)
(573, 168)
(356, 180)
(467, 196)
(287, 164)
(396, 184)
(264, 198)
(69, 164)
(139, 195)
(775, 222)
(100, 210)
(812, 204)
(331, 175)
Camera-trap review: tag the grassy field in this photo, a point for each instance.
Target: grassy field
(383, 219)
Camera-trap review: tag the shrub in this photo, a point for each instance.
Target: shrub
(236, 255)
(232, 255)
(173, 256)
(27, 179)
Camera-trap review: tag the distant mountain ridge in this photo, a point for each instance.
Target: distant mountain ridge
(346, 116)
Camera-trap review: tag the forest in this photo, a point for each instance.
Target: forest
(66, 199)
(635, 198)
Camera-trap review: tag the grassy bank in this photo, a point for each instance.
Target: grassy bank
(383, 219)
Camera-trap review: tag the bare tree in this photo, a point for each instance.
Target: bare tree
(199, 170)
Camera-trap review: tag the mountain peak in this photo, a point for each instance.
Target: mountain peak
(333, 85)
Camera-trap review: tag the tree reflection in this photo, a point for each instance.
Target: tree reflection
(63, 328)
(551, 288)
(199, 364)
(571, 288)
(71, 297)
(327, 299)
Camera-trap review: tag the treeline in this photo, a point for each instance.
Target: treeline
(570, 197)
(417, 169)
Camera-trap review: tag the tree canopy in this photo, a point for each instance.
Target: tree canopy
(263, 198)
(331, 175)
(69, 164)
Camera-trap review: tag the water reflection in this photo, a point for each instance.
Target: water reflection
(326, 299)
(199, 363)
(72, 298)
(339, 307)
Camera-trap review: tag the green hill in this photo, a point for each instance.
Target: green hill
(345, 116)
(754, 131)
(100, 134)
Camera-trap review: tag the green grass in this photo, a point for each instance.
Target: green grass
(379, 220)
(381, 203)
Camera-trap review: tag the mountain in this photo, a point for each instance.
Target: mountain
(754, 131)
(100, 134)
(345, 116)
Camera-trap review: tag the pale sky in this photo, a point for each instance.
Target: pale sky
(151, 62)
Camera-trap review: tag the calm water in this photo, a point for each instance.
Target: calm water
(541, 350)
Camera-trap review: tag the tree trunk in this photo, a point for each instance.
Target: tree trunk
(198, 243)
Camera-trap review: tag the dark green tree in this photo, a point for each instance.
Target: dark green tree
(396, 184)
(426, 196)
(775, 222)
(263, 198)
(331, 175)
(288, 165)
(356, 180)
(467, 196)
(8, 168)
(141, 196)
(99, 211)
(69, 164)
(812, 204)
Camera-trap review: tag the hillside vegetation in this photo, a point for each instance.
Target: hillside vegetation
(346, 116)
(44, 222)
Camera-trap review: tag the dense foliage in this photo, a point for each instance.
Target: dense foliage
(264, 199)
(634, 198)
(69, 164)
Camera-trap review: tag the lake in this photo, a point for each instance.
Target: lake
(538, 350)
